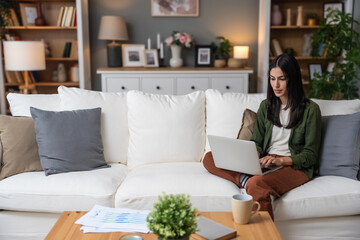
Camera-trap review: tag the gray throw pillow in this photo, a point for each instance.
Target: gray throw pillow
(340, 149)
(69, 140)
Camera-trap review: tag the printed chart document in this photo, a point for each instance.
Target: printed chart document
(106, 219)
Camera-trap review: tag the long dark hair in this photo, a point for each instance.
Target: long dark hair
(296, 96)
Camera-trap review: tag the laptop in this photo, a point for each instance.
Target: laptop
(237, 155)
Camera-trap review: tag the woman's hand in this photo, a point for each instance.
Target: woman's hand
(269, 161)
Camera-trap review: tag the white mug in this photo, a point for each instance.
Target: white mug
(242, 205)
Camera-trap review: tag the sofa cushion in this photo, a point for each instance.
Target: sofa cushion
(224, 112)
(323, 196)
(19, 149)
(164, 128)
(247, 125)
(338, 107)
(69, 140)
(73, 191)
(20, 103)
(340, 145)
(144, 183)
(114, 127)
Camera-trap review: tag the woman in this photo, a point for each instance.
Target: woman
(287, 133)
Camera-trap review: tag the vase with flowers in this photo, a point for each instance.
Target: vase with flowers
(176, 41)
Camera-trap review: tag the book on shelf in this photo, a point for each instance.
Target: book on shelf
(10, 77)
(74, 49)
(68, 16)
(67, 49)
(63, 17)
(73, 17)
(14, 20)
(61, 12)
(209, 229)
(19, 77)
(276, 48)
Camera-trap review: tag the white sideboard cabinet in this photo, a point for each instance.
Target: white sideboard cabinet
(176, 81)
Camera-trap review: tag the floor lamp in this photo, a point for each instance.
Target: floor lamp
(25, 56)
(113, 28)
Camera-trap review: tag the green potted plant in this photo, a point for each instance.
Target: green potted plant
(340, 44)
(222, 51)
(173, 217)
(311, 19)
(5, 14)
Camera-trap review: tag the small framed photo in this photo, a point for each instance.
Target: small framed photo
(314, 68)
(28, 13)
(133, 55)
(175, 8)
(151, 58)
(203, 56)
(332, 6)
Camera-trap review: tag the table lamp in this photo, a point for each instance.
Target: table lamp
(113, 28)
(240, 52)
(25, 56)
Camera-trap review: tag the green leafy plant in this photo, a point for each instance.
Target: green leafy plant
(223, 50)
(173, 217)
(340, 44)
(5, 14)
(311, 16)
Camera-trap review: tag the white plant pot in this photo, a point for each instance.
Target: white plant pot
(175, 60)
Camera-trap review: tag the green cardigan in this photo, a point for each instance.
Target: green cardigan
(304, 141)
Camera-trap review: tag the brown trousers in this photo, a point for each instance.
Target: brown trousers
(261, 187)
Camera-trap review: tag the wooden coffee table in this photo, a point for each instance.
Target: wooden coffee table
(260, 226)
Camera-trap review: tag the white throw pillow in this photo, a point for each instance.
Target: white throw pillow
(114, 127)
(224, 112)
(165, 128)
(20, 103)
(338, 107)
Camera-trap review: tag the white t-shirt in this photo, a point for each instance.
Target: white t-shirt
(279, 143)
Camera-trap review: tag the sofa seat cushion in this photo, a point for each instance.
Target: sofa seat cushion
(321, 197)
(144, 183)
(73, 191)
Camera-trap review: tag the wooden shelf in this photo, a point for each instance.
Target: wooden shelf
(47, 84)
(44, 0)
(39, 28)
(282, 27)
(300, 58)
(61, 59)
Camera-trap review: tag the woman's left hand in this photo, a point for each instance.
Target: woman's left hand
(275, 161)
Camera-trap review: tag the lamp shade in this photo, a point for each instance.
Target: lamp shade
(24, 55)
(241, 52)
(113, 28)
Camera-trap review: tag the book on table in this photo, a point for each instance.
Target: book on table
(209, 229)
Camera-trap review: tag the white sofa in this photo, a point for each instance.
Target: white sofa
(154, 144)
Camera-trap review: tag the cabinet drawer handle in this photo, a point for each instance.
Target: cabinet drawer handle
(158, 87)
(193, 87)
(227, 87)
(122, 87)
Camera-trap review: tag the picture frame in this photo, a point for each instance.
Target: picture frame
(314, 68)
(333, 6)
(203, 56)
(28, 13)
(151, 58)
(133, 55)
(174, 8)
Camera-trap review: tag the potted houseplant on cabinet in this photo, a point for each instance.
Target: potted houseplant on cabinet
(173, 217)
(222, 51)
(339, 43)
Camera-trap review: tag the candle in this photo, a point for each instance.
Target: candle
(161, 51)
(158, 41)
(149, 43)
